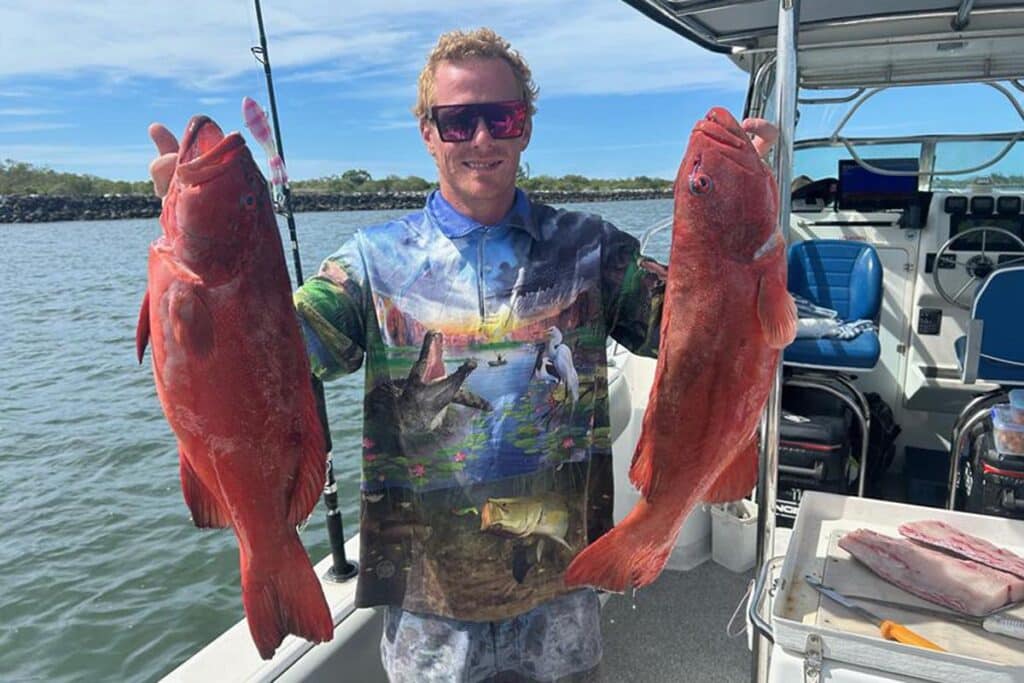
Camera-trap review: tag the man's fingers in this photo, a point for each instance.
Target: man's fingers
(163, 138)
(161, 169)
(764, 134)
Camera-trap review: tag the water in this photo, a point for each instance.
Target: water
(102, 576)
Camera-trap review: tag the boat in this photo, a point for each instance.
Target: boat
(928, 219)
(497, 362)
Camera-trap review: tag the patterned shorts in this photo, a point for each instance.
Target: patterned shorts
(556, 639)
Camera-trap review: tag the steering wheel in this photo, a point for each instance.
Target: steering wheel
(973, 270)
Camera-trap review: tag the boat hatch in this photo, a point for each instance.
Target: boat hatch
(871, 42)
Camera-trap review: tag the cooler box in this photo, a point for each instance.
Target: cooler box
(814, 454)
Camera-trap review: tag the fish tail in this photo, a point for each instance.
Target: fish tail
(628, 555)
(288, 600)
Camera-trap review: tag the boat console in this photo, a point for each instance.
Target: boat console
(936, 248)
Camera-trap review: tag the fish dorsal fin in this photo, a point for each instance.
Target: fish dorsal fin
(776, 310)
(142, 329)
(206, 507)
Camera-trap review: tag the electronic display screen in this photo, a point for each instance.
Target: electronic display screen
(861, 189)
(993, 240)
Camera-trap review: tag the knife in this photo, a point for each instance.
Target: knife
(993, 623)
(890, 630)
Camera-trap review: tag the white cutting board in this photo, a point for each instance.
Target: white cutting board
(974, 656)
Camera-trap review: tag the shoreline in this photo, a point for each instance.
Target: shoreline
(53, 208)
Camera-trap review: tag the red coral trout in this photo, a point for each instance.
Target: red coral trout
(233, 378)
(726, 316)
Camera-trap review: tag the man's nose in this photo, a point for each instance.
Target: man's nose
(481, 133)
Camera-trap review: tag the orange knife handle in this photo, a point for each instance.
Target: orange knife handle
(901, 634)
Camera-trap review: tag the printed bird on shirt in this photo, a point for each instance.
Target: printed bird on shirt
(554, 364)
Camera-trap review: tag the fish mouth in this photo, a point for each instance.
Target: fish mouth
(205, 150)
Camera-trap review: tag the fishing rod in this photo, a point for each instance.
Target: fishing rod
(342, 568)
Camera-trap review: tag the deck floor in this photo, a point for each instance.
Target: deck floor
(675, 630)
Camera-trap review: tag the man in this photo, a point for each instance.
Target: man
(481, 481)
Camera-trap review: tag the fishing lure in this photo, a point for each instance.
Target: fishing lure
(257, 123)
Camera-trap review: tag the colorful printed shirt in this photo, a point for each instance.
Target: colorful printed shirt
(486, 460)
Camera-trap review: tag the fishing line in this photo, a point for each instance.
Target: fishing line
(342, 568)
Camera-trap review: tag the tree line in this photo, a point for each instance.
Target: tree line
(20, 178)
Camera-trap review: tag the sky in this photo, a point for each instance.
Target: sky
(81, 81)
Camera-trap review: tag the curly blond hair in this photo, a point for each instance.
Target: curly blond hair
(483, 42)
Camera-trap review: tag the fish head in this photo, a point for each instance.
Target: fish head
(506, 516)
(219, 198)
(725, 194)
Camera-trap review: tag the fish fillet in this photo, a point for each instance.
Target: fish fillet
(962, 585)
(947, 537)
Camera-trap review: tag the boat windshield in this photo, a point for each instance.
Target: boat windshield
(969, 133)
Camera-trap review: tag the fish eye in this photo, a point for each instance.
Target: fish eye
(700, 184)
(249, 200)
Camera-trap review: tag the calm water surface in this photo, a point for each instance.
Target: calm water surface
(102, 576)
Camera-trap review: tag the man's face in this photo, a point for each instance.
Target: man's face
(477, 176)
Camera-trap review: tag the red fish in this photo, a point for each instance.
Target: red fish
(233, 378)
(726, 316)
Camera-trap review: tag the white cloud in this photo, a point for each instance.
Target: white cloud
(368, 46)
(26, 111)
(32, 127)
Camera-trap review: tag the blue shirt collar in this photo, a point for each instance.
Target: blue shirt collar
(454, 224)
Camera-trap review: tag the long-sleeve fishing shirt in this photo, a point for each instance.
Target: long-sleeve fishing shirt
(486, 456)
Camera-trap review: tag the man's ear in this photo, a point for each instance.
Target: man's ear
(429, 134)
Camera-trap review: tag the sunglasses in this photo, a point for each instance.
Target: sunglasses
(457, 122)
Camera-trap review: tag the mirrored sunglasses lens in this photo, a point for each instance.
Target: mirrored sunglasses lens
(506, 120)
(456, 124)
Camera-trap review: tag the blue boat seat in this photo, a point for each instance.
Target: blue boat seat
(845, 276)
(991, 351)
(993, 348)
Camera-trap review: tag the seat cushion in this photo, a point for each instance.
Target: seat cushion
(861, 352)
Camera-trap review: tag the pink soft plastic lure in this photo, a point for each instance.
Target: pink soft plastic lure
(257, 123)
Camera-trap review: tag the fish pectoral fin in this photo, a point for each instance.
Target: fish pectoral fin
(776, 310)
(191, 320)
(738, 478)
(165, 252)
(311, 472)
(142, 329)
(207, 510)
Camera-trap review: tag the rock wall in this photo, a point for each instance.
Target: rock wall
(45, 208)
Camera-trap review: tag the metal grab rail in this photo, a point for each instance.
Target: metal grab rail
(761, 625)
(836, 137)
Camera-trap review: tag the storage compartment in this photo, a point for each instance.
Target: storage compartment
(1009, 435)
